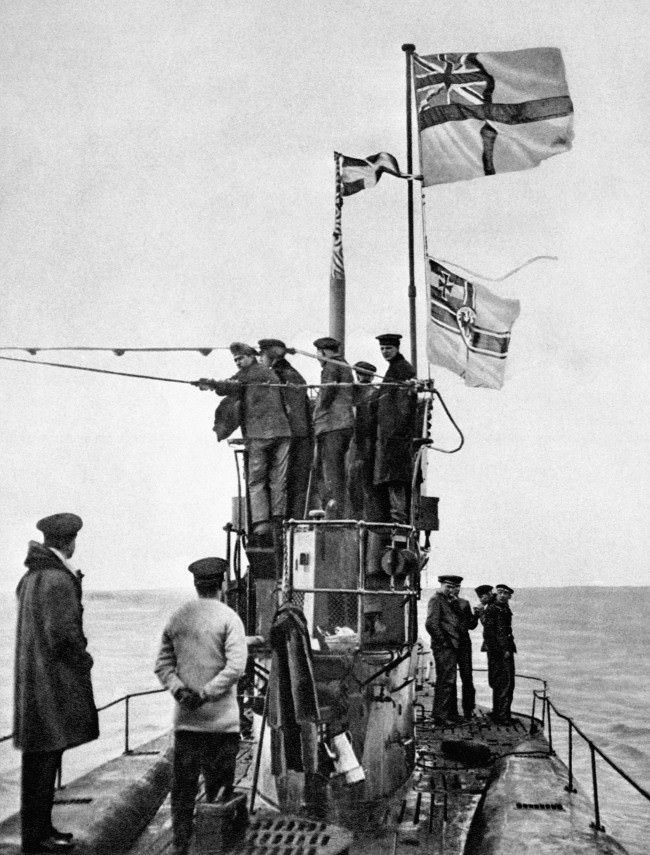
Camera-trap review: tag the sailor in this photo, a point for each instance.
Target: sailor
(449, 617)
(485, 594)
(54, 708)
(395, 430)
(501, 649)
(202, 656)
(362, 499)
(301, 451)
(266, 433)
(333, 421)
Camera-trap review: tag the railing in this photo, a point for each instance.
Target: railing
(125, 699)
(547, 707)
(546, 724)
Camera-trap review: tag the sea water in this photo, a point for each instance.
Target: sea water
(591, 644)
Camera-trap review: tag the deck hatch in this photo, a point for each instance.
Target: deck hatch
(540, 806)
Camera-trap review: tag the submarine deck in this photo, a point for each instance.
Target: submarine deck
(455, 802)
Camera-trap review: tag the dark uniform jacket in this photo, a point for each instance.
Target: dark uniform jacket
(395, 425)
(448, 622)
(296, 401)
(364, 437)
(334, 406)
(54, 708)
(497, 628)
(262, 409)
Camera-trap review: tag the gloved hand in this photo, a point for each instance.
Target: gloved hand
(188, 698)
(205, 384)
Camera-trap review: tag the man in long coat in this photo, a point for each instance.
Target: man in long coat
(449, 619)
(395, 431)
(501, 649)
(54, 708)
(362, 496)
(267, 435)
(298, 410)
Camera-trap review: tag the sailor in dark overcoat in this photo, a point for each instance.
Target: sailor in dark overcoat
(501, 649)
(395, 431)
(298, 411)
(265, 428)
(362, 496)
(449, 619)
(54, 708)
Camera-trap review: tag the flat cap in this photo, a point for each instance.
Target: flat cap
(392, 339)
(454, 580)
(209, 569)
(238, 348)
(483, 589)
(327, 342)
(505, 588)
(365, 366)
(60, 525)
(266, 343)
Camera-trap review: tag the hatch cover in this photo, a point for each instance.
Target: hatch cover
(293, 835)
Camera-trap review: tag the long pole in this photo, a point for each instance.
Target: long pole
(337, 270)
(408, 50)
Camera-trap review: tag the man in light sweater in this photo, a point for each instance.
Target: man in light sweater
(202, 656)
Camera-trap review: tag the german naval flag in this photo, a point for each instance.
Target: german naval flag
(484, 113)
(468, 328)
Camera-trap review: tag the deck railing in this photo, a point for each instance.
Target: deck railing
(545, 722)
(124, 699)
(549, 707)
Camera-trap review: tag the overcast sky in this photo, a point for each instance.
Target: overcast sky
(166, 179)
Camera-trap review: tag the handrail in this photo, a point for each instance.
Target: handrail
(594, 749)
(123, 699)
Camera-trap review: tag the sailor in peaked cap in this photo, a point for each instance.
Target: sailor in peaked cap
(396, 416)
(327, 343)
(239, 348)
(390, 339)
(60, 527)
(451, 580)
(270, 343)
(506, 588)
(54, 707)
(449, 619)
(365, 370)
(482, 590)
(202, 656)
(208, 569)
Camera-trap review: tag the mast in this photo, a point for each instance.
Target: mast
(337, 270)
(408, 50)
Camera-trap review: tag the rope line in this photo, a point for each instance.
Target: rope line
(120, 351)
(233, 383)
(505, 275)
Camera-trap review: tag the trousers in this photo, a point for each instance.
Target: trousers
(450, 660)
(212, 754)
(501, 675)
(301, 454)
(38, 778)
(332, 447)
(267, 477)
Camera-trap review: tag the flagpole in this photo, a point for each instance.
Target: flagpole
(408, 50)
(337, 272)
